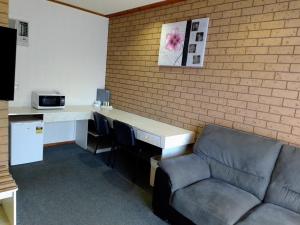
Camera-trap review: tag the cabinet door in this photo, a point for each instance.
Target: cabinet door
(26, 142)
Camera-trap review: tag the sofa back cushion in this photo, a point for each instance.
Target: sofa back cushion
(284, 189)
(238, 158)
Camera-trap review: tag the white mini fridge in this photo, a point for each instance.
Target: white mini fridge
(26, 143)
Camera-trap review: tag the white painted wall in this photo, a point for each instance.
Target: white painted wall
(67, 52)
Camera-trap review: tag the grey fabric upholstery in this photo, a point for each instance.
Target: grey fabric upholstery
(284, 189)
(241, 159)
(269, 214)
(213, 202)
(185, 170)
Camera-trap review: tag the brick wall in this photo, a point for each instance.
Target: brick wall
(3, 105)
(250, 80)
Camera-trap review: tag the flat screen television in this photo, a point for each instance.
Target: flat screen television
(8, 43)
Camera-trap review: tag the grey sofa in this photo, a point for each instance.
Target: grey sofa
(231, 178)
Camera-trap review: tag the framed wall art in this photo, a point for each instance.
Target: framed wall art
(183, 43)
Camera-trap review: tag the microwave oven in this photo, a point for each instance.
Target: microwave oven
(47, 100)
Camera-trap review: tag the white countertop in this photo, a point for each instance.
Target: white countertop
(26, 110)
(85, 112)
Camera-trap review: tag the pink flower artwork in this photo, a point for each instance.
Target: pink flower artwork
(174, 40)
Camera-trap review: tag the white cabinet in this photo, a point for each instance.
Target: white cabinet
(26, 141)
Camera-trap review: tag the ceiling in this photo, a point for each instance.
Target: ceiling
(106, 7)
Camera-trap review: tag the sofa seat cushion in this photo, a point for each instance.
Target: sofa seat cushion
(269, 214)
(213, 202)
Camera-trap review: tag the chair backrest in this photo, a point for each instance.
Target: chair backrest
(102, 125)
(239, 158)
(124, 133)
(284, 189)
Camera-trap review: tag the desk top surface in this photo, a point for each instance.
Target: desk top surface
(134, 120)
(26, 110)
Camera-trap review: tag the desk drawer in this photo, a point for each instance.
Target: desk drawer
(149, 138)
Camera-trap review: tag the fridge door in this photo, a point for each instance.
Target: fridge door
(26, 142)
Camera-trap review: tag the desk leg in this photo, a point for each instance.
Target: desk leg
(172, 152)
(81, 133)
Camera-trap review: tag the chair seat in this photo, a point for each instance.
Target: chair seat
(200, 202)
(269, 214)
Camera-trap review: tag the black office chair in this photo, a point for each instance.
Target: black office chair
(103, 131)
(124, 139)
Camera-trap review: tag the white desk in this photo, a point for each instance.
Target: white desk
(172, 140)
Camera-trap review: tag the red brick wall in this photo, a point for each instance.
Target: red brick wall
(3, 105)
(250, 80)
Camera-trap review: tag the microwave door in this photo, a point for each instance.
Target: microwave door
(49, 101)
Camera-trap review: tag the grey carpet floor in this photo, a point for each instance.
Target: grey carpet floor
(74, 187)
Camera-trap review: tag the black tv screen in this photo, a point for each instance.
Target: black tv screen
(8, 43)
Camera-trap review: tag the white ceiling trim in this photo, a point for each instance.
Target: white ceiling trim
(106, 7)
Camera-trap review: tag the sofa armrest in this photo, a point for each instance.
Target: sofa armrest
(184, 170)
(173, 174)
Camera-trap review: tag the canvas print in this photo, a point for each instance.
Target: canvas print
(195, 26)
(196, 59)
(192, 48)
(171, 44)
(197, 37)
(183, 43)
